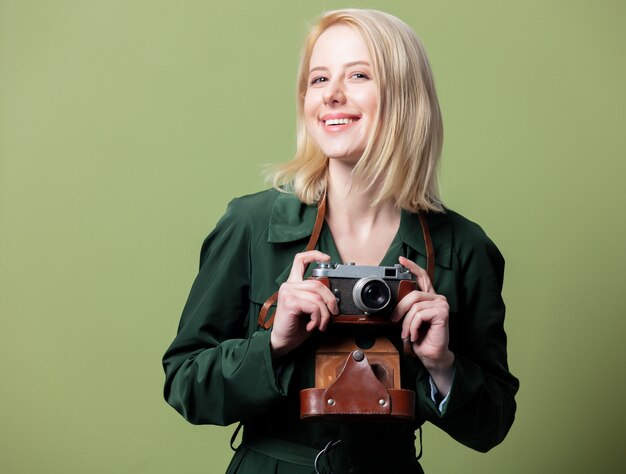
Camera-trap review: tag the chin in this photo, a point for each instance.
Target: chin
(342, 154)
(344, 159)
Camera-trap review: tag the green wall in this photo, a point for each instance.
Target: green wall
(126, 127)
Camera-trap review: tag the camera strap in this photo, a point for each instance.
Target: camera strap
(315, 235)
(317, 230)
(430, 250)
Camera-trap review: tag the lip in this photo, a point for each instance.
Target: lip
(337, 116)
(323, 118)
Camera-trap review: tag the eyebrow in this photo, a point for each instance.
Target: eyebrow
(350, 64)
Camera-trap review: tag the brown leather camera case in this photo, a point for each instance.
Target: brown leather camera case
(356, 383)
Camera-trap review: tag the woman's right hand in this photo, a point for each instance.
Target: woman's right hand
(303, 306)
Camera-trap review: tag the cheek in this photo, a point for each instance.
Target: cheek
(368, 98)
(310, 110)
(374, 106)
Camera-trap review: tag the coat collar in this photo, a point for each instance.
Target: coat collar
(291, 220)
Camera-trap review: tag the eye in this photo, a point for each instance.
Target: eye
(318, 80)
(359, 75)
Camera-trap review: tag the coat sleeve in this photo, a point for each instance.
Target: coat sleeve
(481, 406)
(218, 369)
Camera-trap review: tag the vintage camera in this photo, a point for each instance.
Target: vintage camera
(357, 368)
(366, 294)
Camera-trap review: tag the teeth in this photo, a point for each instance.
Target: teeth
(342, 121)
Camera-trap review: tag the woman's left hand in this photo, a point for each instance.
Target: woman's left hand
(425, 324)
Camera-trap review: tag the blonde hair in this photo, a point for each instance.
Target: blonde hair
(401, 159)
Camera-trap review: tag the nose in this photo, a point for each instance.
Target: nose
(334, 93)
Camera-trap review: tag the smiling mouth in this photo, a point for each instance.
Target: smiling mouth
(339, 121)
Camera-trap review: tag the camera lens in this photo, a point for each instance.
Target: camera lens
(371, 294)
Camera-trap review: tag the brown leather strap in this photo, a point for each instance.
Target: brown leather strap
(430, 251)
(315, 235)
(430, 269)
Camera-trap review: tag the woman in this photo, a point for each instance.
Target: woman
(369, 141)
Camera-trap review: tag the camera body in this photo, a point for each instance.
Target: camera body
(366, 294)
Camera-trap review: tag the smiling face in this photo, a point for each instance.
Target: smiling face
(341, 100)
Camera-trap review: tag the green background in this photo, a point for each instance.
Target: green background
(126, 127)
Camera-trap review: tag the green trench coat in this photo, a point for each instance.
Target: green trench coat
(219, 369)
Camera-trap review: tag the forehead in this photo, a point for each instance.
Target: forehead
(338, 44)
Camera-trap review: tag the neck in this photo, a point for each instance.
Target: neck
(348, 206)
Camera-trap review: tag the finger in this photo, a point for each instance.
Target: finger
(407, 322)
(404, 305)
(423, 280)
(310, 326)
(315, 287)
(301, 260)
(410, 300)
(419, 325)
(414, 327)
(314, 321)
(326, 315)
(313, 305)
(422, 317)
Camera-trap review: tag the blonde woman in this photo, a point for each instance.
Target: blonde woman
(369, 141)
